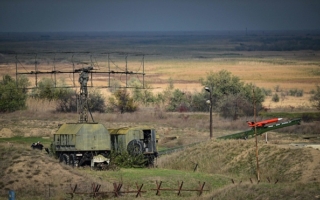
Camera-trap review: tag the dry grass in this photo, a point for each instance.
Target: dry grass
(297, 168)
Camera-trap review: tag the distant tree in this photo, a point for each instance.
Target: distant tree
(13, 93)
(230, 96)
(49, 90)
(67, 101)
(96, 101)
(122, 101)
(179, 101)
(142, 95)
(315, 98)
(198, 102)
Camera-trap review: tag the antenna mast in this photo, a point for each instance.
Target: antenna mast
(82, 98)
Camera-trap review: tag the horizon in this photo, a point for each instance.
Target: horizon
(158, 15)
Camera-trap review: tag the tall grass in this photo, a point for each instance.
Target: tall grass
(238, 159)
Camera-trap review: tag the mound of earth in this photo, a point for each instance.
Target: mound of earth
(34, 172)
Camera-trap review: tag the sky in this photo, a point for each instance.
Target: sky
(157, 15)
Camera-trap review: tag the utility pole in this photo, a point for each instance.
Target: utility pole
(210, 102)
(255, 134)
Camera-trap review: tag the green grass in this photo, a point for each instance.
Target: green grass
(169, 178)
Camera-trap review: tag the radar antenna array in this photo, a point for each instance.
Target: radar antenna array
(84, 73)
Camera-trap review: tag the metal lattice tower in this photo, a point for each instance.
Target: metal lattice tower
(82, 98)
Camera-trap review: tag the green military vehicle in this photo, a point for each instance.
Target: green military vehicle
(136, 140)
(79, 143)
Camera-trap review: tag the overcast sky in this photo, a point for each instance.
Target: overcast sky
(158, 15)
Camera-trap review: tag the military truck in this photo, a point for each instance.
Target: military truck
(135, 140)
(78, 143)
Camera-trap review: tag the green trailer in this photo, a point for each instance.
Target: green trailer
(136, 140)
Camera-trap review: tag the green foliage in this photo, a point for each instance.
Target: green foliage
(66, 98)
(266, 92)
(164, 97)
(125, 160)
(96, 101)
(49, 90)
(67, 101)
(295, 92)
(121, 101)
(275, 98)
(315, 98)
(178, 101)
(142, 95)
(13, 94)
(198, 102)
(230, 96)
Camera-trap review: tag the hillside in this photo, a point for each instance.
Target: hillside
(295, 170)
(288, 169)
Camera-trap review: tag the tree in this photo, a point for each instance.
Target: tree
(96, 101)
(142, 95)
(315, 98)
(230, 96)
(122, 101)
(197, 102)
(13, 94)
(178, 101)
(67, 101)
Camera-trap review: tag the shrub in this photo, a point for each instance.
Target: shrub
(121, 101)
(295, 92)
(275, 98)
(315, 98)
(13, 93)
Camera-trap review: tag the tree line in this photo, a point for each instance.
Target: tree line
(230, 97)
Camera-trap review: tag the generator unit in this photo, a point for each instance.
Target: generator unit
(136, 140)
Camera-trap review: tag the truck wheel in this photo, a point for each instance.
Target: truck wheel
(65, 159)
(72, 160)
(135, 147)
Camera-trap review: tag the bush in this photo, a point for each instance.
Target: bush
(275, 98)
(125, 160)
(96, 101)
(315, 98)
(67, 101)
(121, 101)
(13, 94)
(295, 92)
(266, 92)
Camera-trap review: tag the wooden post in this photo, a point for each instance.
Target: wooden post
(255, 134)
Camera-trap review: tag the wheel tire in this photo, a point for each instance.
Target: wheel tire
(72, 160)
(135, 147)
(65, 159)
(61, 158)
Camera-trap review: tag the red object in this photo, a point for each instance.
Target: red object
(264, 122)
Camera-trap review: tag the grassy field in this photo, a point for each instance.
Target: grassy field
(227, 167)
